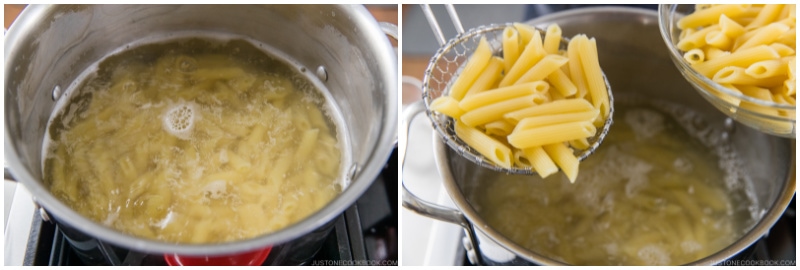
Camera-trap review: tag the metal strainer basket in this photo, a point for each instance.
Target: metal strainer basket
(446, 65)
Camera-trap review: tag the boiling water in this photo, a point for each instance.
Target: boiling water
(662, 189)
(196, 141)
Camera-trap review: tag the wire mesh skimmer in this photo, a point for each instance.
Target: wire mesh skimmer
(446, 65)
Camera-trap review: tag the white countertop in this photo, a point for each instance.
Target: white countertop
(426, 241)
(18, 209)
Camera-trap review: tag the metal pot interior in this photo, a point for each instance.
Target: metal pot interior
(49, 46)
(635, 60)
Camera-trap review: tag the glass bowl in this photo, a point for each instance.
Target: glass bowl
(765, 116)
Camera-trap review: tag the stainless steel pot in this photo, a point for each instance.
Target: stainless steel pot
(635, 60)
(49, 46)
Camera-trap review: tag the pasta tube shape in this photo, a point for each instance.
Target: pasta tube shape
(489, 147)
(738, 75)
(499, 128)
(710, 15)
(555, 107)
(766, 69)
(526, 33)
(510, 48)
(545, 120)
(495, 111)
(741, 58)
(694, 56)
(488, 79)
(532, 53)
(551, 134)
(768, 14)
(576, 71)
(540, 161)
(765, 35)
(543, 68)
(729, 27)
(562, 83)
(448, 106)
(497, 95)
(563, 156)
(552, 39)
(718, 39)
(475, 65)
(594, 77)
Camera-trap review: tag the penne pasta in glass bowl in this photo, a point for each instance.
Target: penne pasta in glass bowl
(740, 58)
(520, 100)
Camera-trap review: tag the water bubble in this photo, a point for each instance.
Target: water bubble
(187, 64)
(179, 120)
(56, 92)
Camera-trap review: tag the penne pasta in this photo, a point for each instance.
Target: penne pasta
(495, 111)
(696, 39)
(540, 161)
(556, 107)
(769, 13)
(511, 48)
(710, 15)
(500, 94)
(766, 69)
(552, 39)
(739, 58)
(718, 40)
(526, 33)
(739, 76)
(490, 148)
(695, 56)
(532, 53)
(579, 144)
(789, 38)
(764, 35)
(561, 82)
(729, 27)
(474, 66)
(548, 65)
(448, 106)
(564, 158)
(489, 78)
(499, 128)
(551, 134)
(761, 39)
(545, 120)
(519, 158)
(594, 77)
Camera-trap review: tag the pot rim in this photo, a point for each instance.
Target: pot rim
(775, 211)
(358, 185)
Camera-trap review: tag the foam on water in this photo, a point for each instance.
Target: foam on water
(654, 255)
(645, 123)
(713, 137)
(179, 119)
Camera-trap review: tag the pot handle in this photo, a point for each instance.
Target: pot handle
(416, 204)
(389, 29)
